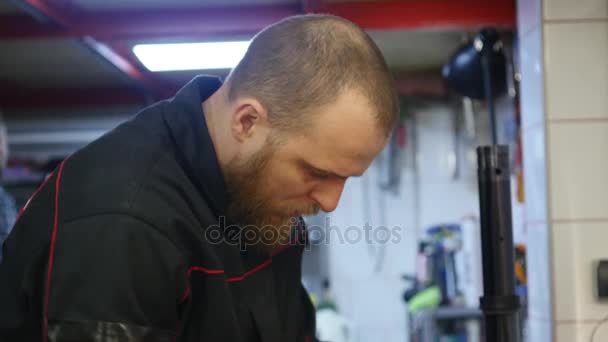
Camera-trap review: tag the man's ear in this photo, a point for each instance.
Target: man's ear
(249, 114)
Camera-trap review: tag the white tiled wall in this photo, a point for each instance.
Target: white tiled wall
(576, 54)
(376, 303)
(578, 246)
(576, 68)
(564, 264)
(579, 9)
(572, 46)
(366, 278)
(578, 167)
(580, 332)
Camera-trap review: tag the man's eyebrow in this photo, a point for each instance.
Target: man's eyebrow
(319, 170)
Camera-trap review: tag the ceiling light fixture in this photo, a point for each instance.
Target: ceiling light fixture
(191, 56)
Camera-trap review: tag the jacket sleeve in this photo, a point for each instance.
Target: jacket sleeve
(113, 278)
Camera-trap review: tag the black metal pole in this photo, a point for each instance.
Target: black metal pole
(499, 303)
(486, 60)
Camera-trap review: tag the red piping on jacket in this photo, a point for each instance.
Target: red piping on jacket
(250, 272)
(233, 279)
(51, 255)
(32, 198)
(197, 269)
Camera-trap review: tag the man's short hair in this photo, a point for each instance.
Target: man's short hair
(304, 62)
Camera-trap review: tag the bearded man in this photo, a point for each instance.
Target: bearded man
(133, 237)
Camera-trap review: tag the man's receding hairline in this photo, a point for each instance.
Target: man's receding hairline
(304, 79)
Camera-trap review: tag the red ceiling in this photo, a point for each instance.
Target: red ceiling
(105, 33)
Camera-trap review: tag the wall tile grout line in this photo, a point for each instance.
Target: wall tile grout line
(574, 20)
(567, 220)
(581, 220)
(575, 321)
(578, 120)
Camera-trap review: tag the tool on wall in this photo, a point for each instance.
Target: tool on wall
(478, 70)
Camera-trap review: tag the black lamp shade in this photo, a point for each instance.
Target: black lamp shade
(463, 72)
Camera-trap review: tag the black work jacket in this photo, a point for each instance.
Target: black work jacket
(115, 246)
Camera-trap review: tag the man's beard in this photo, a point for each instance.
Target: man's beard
(264, 225)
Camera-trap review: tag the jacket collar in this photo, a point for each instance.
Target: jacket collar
(186, 121)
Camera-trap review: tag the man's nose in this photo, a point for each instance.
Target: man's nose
(327, 194)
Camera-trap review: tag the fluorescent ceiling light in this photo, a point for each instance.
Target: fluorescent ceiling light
(190, 56)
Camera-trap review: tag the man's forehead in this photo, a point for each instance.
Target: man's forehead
(347, 157)
(359, 142)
